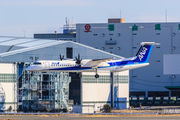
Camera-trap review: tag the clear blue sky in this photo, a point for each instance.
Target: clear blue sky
(47, 16)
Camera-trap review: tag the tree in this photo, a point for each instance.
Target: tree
(9, 109)
(107, 108)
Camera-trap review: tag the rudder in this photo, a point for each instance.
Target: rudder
(144, 52)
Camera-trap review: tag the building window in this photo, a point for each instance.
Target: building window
(157, 33)
(173, 47)
(134, 47)
(69, 52)
(157, 60)
(157, 47)
(104, 79)
(134, 33)
(95, 34)
(110, 34)
(158, 76)
(7, 78)
(110, 47)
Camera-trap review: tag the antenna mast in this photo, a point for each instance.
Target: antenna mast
(120, 13)
(166, 15)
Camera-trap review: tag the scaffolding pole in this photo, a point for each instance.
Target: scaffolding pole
(16, 88)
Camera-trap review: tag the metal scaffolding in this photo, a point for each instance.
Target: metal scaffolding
(45, 90)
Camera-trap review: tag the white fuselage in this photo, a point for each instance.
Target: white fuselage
(71, 66)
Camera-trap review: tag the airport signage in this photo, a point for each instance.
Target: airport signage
(87, 27)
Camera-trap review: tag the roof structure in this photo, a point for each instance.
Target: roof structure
(21, 49)
(14, 43)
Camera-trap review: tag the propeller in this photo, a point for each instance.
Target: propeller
(61, 57)
(78, 60)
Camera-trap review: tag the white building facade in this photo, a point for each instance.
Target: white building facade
(95, 93)
(8, 87)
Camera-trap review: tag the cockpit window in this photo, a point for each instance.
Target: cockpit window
(37, 63)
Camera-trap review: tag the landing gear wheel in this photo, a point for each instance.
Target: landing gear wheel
(96, 76)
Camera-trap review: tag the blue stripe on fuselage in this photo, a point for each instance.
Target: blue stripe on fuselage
(112, 64)
(122, 63)
(71, 68)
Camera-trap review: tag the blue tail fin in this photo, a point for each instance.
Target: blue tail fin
(144, 52)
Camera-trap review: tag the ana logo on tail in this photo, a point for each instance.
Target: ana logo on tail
(142, 53)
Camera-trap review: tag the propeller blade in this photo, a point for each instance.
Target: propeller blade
(78, 60)
(61, 57)
(78, 56)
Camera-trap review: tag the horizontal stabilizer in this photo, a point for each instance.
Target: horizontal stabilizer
(149, 43)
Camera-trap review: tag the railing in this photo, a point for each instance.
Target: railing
(171, 111)
(2, 113)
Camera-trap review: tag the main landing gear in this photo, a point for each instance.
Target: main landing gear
(96, 76)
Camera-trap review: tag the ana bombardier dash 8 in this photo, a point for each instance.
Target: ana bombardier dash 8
(96, 65)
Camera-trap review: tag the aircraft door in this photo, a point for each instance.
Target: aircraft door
(46, 65)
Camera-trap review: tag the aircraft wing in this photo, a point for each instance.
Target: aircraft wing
(96, 62)
(102, 60)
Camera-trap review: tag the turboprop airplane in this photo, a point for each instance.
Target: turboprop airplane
(96, 65)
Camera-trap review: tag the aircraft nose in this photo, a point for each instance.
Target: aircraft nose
(30, 68)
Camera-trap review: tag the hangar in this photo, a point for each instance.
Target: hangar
(18, 52)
